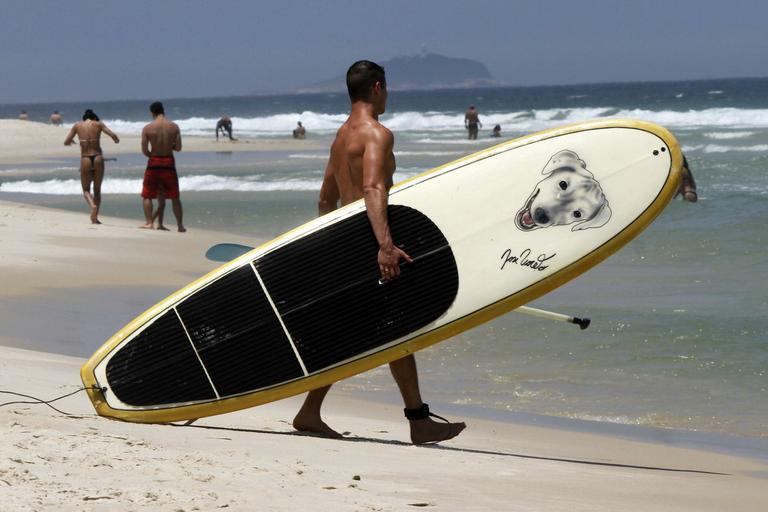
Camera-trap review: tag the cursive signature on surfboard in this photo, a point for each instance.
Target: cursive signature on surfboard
(524, 259)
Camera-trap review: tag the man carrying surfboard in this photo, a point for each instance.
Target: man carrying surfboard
(361, 165)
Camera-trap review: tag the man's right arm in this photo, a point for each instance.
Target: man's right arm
(376, 196)
(145, 142)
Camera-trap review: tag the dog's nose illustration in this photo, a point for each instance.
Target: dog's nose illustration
(540, 216)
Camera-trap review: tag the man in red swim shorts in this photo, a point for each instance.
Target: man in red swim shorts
(159, 139)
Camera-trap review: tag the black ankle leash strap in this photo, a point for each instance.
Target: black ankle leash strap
(421, 413)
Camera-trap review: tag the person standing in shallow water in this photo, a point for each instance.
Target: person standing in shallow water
(89, 131)
(159, 139)
(472, 122)
(361, 166)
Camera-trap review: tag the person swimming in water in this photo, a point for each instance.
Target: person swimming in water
(687, 188)
(299, 132)
(88, 132)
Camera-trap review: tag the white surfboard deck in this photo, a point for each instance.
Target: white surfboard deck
(631, 169)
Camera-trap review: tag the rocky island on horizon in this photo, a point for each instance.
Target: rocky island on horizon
(419, 72)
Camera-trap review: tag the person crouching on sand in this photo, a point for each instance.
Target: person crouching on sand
(224, 125)
(89, 131)
(159, 139)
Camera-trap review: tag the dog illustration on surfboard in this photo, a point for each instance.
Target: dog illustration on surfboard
(569, 194)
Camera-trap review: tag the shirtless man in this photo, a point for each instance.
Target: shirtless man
(89, 131)
(361, 165)
(471, 122)
(159, 139)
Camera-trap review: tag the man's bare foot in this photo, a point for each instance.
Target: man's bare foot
(182, 229)
(162, 228)
(95, 215)
(315, 426)
(95, 221)
(147, 226)
(430, 431)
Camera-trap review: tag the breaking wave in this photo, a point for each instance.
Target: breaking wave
(430, 122)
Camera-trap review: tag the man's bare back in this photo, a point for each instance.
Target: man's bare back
(161, 137)
(348, 153)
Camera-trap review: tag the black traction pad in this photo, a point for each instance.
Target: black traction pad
(326, 288)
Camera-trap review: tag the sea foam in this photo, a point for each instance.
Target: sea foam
(728, 135)
(523, 121)
(194, 183)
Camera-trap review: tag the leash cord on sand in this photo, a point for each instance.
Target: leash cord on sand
(45, 402)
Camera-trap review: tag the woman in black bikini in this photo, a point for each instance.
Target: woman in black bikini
(89, 131)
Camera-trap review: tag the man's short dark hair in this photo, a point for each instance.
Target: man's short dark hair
(157, 108)
(361, 77)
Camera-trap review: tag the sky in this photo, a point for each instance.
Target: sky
(83, 50)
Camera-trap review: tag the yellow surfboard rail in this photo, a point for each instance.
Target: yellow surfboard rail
(199, 410)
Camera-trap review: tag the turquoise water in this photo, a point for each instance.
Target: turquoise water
(679, 335)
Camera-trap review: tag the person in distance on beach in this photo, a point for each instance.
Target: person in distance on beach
(23, 116)
(299, 132)
(496, 131)
(159, 139)
(472, 122)
(224, 125)
(89, 131)
(56, 119)
(361, 165)
(687, 184)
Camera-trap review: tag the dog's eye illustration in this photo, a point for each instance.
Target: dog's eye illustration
(577, 214)
(563, 185)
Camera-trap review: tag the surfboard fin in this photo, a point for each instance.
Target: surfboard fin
(226, 252)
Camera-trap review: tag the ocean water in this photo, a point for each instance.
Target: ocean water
(680, 316)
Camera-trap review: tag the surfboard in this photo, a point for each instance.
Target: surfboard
(487, 233)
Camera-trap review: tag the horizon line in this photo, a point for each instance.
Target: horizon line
(341, 91)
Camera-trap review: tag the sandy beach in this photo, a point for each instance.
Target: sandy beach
(28, 142)
(253, 460)
(63, 278)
